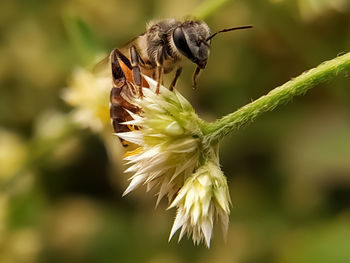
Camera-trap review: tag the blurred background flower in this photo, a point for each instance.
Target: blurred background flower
(288, 172)
(13, 153)
(88, 94)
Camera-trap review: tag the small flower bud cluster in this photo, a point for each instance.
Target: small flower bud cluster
(203, 197)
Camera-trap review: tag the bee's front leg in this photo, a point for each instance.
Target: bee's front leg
(135, 67)
(160, 72)
(177, 75)
(195, 76)
(159, 59)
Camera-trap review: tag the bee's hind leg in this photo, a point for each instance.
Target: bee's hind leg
(135, 67)
(118, 104)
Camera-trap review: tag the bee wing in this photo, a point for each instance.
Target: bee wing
(125, 48)
(102, 66)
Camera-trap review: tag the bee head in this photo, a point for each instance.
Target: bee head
(191, 39)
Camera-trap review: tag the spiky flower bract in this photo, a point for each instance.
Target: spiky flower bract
(169, 141)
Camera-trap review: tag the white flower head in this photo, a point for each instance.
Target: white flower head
(203, 198)
(174, 159)
(89, 94)
(168, 137)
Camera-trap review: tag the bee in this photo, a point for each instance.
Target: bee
(158, 51)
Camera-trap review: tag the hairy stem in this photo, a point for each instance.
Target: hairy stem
(328, 70)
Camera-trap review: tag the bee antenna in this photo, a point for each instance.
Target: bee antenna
(227, 30)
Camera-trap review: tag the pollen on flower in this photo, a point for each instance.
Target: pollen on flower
(133, 152)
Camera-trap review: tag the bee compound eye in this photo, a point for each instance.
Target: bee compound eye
(182, 45)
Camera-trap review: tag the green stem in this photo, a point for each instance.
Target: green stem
(207, 8)
(328, 70)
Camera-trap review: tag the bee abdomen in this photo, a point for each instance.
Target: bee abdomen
(119, 108)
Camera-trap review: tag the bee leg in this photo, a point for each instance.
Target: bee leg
(135, 67)
(177, 75)
(121, 56)
(159, 58)
(160, 71)
(195, 76)
(117, 103)
(119, 79)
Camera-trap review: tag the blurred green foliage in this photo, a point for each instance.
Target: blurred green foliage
(289, 172)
